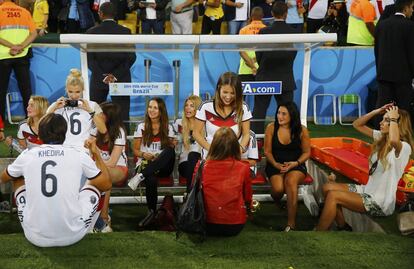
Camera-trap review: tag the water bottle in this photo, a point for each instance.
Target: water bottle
(15, 146)
(179, 146)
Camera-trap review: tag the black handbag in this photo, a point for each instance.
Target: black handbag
(191, 217)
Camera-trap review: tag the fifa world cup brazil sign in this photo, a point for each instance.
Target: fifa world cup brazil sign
(141, 88)
(262, 87)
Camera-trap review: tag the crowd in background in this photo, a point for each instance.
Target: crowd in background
(308, 16)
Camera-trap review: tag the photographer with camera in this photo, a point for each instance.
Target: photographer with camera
(336, 21)
(80, 114)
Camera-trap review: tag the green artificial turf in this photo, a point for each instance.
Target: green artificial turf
(260, 245)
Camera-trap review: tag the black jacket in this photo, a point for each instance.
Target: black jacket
(277, 65)
(394, 49)
(116, 63)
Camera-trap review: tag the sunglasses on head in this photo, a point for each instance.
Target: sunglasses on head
(373, 168)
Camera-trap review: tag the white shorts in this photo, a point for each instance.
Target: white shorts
(90, 202)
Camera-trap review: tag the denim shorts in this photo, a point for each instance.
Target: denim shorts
(372, 208)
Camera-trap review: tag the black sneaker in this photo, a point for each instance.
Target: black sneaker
(147, 221)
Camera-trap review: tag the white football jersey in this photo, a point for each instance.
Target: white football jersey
(52, 176)
(80, 123)
(213, 121)
(26, 133)
(155, 146)
(252, 151)
(194, 146)
(119, 141)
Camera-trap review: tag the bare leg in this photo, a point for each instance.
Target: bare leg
(349, 200)
(278, 190)
(340, 219)
(116, 175)
(331, 186)
(17, 183)
(292, 180)
(105, 208)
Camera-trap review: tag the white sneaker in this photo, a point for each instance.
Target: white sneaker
(107, 229)
(135, 180)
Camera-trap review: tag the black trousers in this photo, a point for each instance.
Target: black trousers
(261, 103)
(100, 95)
(161, 167)
(401, 93)
(223, 229)
(247, 77)
(72, 26)
(21, 68)
(208, 26)
(186, 168)
(313, 25)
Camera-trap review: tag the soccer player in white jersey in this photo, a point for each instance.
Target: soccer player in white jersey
(227, 109)
(80, 114)
(28, 129)
(54, 209)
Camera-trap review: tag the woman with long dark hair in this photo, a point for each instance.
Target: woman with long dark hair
(154, 147)
(287, 147)
(391, 151)
(226, 109)
(112, 147)
(226, 185)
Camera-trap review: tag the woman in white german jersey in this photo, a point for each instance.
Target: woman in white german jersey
(112, 149)
(227, 109)
(27, 133)
(154, 147)
(81, 115)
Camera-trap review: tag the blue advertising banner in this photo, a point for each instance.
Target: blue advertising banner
(262, 87)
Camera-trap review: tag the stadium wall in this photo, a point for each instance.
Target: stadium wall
(333, 70)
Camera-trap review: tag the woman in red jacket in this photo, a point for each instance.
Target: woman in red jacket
(226, 184)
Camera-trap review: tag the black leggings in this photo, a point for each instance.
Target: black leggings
(186, 168)
(161, 167)
(223, 229)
